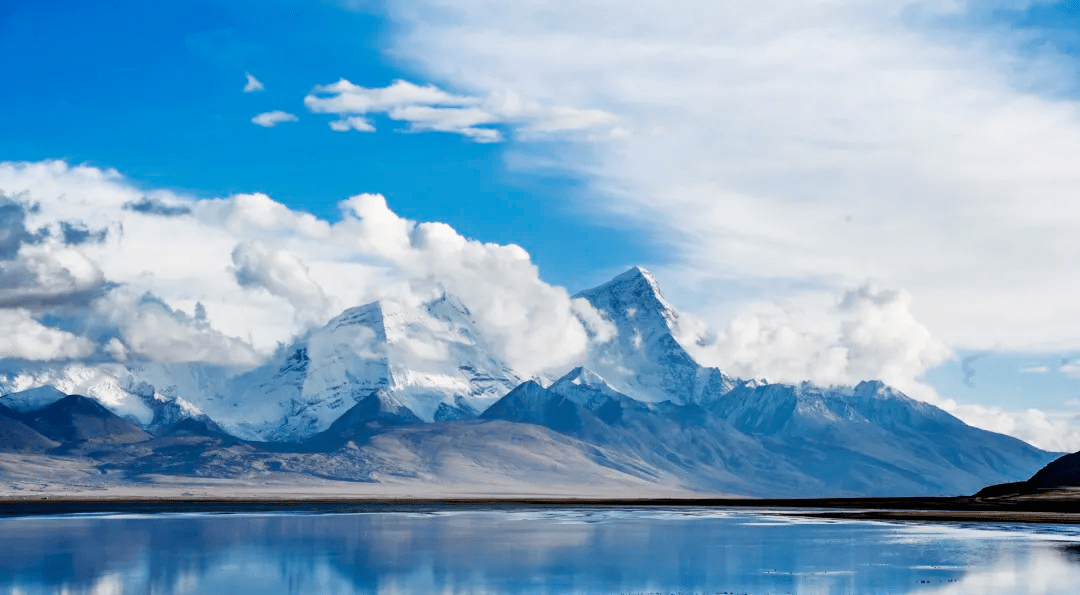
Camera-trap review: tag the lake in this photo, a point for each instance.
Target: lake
(508, 550)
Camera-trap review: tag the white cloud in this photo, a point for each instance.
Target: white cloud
(281, 274)
(1050, 430)
(343, 97)
(600, 329)
(351, 123)
(780, 152)
(1071, 368)
(533, 325)
(792, 143)
(253, 84)
(271, 119)
(867, 333)
(1035, 370)
(430, 109)
(46, 274)
(22, 337)
(150, 329)
(462, 120)
(255, 273)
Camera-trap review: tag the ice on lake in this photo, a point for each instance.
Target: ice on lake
(586, 551)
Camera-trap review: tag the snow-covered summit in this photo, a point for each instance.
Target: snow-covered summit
(430, 358)
(584, 387)
(645, 361)
(32, 398)
(636, 292)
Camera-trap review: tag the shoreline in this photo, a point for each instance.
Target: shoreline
(1057, 508)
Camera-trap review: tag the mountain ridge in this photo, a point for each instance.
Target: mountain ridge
(638, 398)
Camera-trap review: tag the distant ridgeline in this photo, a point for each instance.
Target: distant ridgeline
(352, 401)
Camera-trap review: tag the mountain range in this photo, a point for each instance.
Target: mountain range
(388, 391)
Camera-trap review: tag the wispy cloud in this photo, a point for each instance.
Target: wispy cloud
(1071, 368)
(253, 84)
(271, 119)
(795, 144)
(430, 109)
(967, 367)
(351, 123)
(1035, 370)
(785, 152)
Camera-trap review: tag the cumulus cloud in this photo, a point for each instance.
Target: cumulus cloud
(271, 119)
(533, 325)
(253, 84)
(255, 273)
(281, 274)
(47, 274)
(868, 333)
(42, 268)
(865, 333)
(1050, 430)
(151, 330)
(882, 337)
(22, 337)
(430, 109)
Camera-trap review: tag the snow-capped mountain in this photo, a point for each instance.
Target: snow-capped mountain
(644, 360)
(646, 407)
(431, 359)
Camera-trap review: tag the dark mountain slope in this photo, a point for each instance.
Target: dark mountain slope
(77, 419)
(375, 412)
(16, 436)
(1061, 473)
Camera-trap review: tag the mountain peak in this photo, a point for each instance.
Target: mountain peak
(634, 293)
(638, 273)
(645, 360)
(33, 398)
(580, 376)
(371, 315)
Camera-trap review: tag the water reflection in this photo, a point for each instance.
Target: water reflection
(596, 552)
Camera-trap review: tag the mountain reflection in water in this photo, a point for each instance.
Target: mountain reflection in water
(537, 551)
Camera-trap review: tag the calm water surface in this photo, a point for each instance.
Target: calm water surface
(519, 551)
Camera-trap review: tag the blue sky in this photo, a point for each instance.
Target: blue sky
(826, 177)
(154, 91)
